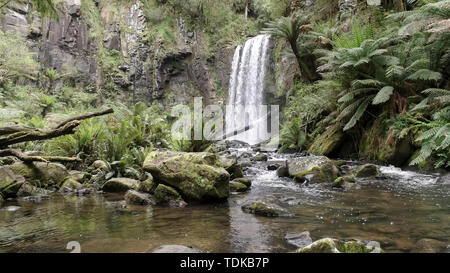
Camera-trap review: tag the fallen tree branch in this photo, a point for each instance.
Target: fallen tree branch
(86, 116)
(27, 158)
(16, 134)
(33, 135)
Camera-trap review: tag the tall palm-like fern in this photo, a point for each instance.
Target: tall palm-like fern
(374, 77)
(432, 17)
(290, 29)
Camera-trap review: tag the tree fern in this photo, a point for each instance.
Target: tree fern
(383, 95)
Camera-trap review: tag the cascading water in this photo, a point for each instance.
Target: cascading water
(246, 91)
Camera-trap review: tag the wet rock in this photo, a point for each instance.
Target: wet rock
(329, 245)
(165, 194)
(304, 164)
(138, 198)
(41, 174)
(176, 249)
(273, 167)
(326, 173)
(344, 182)
(197, 176)
(246, 181)
(367, 170)
(429, 246)
(299, 240)
(237, 187)
(100, 164)
(120, 185)
(264, 209)
(260, 157)
(27, 190)
(148, 185)
(70, 185)
(80, 177)
(9, 182)
(283, 171)
(230, 164)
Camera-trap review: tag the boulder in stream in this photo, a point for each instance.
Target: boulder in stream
(40, 174)
(196, 176)
(260, 157)
(165, 194)
(305, 163)
(329, 245)
(230, 164)
(325, 173)
(120, 185)
(237, 187)
(138, 198)
(366, 170)
(246, 181)
(262, 208)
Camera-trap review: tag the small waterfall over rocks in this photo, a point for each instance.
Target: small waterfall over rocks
(246, 92)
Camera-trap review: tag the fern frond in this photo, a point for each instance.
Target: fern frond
(383, 95)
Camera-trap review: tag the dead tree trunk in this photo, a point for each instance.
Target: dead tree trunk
(17, 134)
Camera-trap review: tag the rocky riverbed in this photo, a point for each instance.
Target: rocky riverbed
(276, 203)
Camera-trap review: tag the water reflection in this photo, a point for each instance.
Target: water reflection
(397, 211)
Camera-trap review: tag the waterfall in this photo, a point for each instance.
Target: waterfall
(246, 91)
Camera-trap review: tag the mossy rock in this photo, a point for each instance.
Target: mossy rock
(119, 185)
(329, 141)
(80, 177)
(246, 181)
(148, 186)
(344, 182)
(196, 176)
(326, 245)
(260, 157)
(138, 198)
(377, 144)
(326, 173)
(27, 190)
(230, 164)
(329, 245)
(165, 194)
(70, 185)
(305, 163)
(264, 209)
(366, 170)
(10, 183)
(41, 174)
(237, 187)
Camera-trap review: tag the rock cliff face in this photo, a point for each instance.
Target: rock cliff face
(88, 32)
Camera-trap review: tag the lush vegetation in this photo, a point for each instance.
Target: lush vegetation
(377, 79)
(394, 76)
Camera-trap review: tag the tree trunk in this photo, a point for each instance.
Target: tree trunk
(304, 69)
(246, 9)
(14, 135)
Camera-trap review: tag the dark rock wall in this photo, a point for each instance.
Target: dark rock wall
(152, 72)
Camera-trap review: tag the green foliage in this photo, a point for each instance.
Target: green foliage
(125, 137)
(290, 29)
(354, 39)
(16, 63)
(292, 136)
